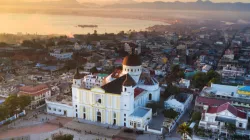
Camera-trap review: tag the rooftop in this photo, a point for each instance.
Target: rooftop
(115, 86)
(33, 88)
(140, 112)
(62, 99)
(230, 108)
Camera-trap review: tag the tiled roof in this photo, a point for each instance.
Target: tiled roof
(33, 93)
(129, 81)
(137, 92)
(230, 108)
(210, 101)
(115, 86)
(33, 89)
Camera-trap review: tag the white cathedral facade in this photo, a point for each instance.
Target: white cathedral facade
(121, 100)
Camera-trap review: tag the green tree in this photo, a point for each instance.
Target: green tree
(231, 128)
(24, 100)
(170, 113)
(3, 112)
(196, 116)
(154, 106)
(61, 136)
(200, 80)
(171, 90)
(12, 103)
(94, 70)
(212, 74)
(184, 130)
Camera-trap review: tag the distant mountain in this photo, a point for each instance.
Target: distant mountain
(89, 4)
(60, 3)
(199, 5)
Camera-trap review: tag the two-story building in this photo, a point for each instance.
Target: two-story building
(38, 93)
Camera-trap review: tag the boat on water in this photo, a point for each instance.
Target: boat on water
(87, 26)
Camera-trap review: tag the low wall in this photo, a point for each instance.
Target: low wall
(154, 131)
(13, 117)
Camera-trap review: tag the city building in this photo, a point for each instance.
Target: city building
(93, 80)
(38, 93)
(61, 55)
(216, 118)
(179, 103)
(120, 101)
(60, 105)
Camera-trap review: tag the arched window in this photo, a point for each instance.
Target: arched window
(99, 101)
(99, 116)
(150, 97)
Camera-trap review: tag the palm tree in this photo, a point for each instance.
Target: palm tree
(231, 128)
(184, 130)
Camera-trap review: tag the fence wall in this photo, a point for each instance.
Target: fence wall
(14, 117)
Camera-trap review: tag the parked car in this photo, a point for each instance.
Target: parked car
(139, 132)
(127, 130)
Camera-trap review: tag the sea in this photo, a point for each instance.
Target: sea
(46, 24)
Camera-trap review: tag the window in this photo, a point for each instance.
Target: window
(84, 109)
(124, 124)
(76, 110)
(138, 125)
(60, 110)
(54, 109)
(240, 125)
(76, 105)
(125, 89)
(99, 101)
(124, 119)
(150, 97)
(49, 108)
(124, 115)
(138, 69)
(131, 70)
(114, 115)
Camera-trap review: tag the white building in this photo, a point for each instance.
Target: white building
(121, 101)
(60, 55)
(216, 118)
(95, 80)
(60, 105)
(38, 93)
(179, 103)
(184, 83)
(206, 68)
(233, 72)
(88, 66)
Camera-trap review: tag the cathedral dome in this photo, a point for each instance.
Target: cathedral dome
(132, 60)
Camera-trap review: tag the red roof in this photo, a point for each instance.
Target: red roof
(33, 88)
(40, 89)
(230, 108)
(210, 101)
(212, 110)
(242, 114)
(137, 92)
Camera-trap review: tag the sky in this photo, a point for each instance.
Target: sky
(103, 1)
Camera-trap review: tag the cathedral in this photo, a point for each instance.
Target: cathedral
(121, 100)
